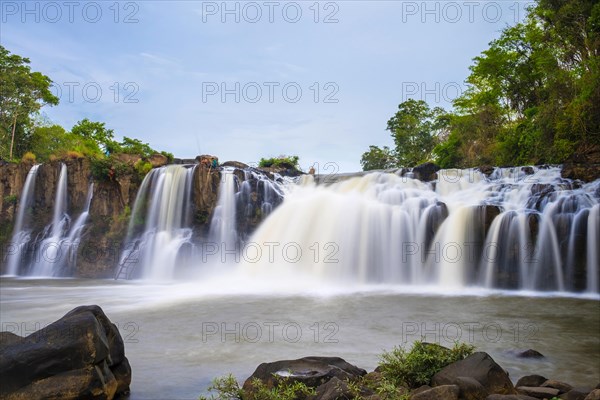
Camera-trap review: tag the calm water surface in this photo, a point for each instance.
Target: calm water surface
(180, 335)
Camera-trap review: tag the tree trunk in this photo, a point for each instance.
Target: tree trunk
(12, 140)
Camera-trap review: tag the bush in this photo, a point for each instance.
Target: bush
(142, 167)
(73, 154)
(416, 367)
(290, 162)
(28, 157)
(11, 199)
(227, 388)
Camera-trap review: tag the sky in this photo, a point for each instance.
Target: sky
(243, 80)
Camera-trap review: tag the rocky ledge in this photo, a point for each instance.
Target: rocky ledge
(477, 377)
(80, 356)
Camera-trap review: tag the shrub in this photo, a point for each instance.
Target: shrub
(142, 167)
(28, 157)
(290, 162)
(416, 367)
(227, 388)
(11, 199)
(73, 154)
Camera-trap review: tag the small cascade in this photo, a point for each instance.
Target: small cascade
(593, 254)
(47, 260)
(55, 255)
(162, 208)
(223, 230)
(71, 243)
(22, 235)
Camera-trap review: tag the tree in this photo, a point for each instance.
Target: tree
(378, 158)
(415, 129)
(22, 93)
(94, 131)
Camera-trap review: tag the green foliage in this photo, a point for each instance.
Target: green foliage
(227, 388)
(416, 129)
(290, 162)
(416, 367)
(142, 167)
(11, 199)
(22, 94)
(378, 158)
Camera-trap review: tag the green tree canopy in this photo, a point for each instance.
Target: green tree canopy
(22, 93)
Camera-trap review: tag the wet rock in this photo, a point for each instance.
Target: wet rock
(426, 172)
(562, 386)
(530, 353)
(79, 356)
(336, 389)
(312, 371)
(538, 392)
(575, 394)
(481, 367)
(594, 395)
(509, 397)
(527, 170)
(443, 392)
(487, 170)
(531, 380)
(234, 164)
(470, 388)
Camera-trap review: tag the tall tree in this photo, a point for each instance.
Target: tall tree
(22, 93)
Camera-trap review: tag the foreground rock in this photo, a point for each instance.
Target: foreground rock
(311, 371)
(80, 356)
(481, 368)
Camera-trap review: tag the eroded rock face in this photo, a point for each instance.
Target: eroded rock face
(583, 165)
(80, 356)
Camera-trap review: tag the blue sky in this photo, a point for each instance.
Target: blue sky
(245, 80)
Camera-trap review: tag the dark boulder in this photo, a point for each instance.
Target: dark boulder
(311, 371)
(470, 388)
(531, 380)
(482, 368)
(443, 392)
(575, 394)
(562, 386)
(538, 392)
(594, 395)
(426, 172)
(79, 356)
(487, 170)
(509, 397)
(530, 353)
(336, 389)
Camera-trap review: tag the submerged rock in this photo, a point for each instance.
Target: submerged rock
(80, 356)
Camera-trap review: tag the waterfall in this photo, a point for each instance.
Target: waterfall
(22, 236)
(518, 228)
(56, 253)
(48, 256)
(223, 231)
(162, 207)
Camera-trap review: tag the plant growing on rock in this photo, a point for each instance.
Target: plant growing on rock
(227, 388)
(416, 367)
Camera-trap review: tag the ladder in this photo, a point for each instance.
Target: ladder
(128, 264)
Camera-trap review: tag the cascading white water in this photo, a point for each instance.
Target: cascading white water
(165, 194)
(223, 230)
(510, 230)
(21, 235)
(56, 254)
(593, 254)
(47, 261)
(71, 243)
